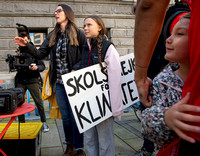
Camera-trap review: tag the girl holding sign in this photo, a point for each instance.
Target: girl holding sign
(100, 138)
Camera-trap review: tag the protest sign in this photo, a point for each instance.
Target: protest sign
(129, 89)
(88, 92)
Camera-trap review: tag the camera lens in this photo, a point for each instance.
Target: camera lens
(21, 60)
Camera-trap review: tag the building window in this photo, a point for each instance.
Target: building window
(37, 38)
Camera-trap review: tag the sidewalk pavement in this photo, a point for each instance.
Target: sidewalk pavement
(128, 138)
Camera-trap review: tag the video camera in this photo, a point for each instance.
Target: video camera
(10, 99)
(21, 61)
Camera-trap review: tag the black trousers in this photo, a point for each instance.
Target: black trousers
(36, 95)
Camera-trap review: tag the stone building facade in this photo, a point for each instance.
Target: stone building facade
(39, 15)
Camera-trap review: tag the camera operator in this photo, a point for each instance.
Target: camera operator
(28, 78)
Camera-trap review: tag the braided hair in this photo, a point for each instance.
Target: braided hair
(102, 33)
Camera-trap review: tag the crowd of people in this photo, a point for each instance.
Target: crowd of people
(170, 118)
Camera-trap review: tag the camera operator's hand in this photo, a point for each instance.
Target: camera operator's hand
(17, 52)
(33, 67)
(20, 41)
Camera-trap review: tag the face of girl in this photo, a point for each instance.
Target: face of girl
(60, 15)
(91, 28)
(177, 44)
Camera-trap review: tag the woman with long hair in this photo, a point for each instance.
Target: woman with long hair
(64, 45)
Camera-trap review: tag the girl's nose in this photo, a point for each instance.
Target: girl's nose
(169, 39)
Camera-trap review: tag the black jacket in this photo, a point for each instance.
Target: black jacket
(73, 53)
(27, 76)
(92, 56)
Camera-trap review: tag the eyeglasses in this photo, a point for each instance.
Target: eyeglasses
(58, 11)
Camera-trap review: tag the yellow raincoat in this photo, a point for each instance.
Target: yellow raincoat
(47, 94)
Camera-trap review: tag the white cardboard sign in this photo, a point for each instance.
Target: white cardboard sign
(87, 91)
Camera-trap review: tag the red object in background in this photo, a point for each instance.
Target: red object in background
(23, 109)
